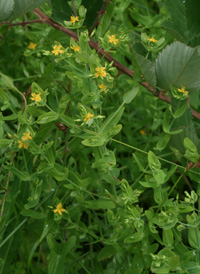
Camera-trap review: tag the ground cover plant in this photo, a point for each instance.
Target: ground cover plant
(99, 136)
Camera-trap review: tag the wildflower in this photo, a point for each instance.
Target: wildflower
(100, 72)
(32, 45)
(36, 97)
(73, 19)
(57, 49)
(88, 117)
(26, 136)
(59, 209)
(113, 39)
(103, 88)
(21, 144)
(75, 48)
(142, 132)
(182, 90)
(152, 39)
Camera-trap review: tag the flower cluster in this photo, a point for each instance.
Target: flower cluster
(75, 48)
(74, 19)
(88, 117)
(26, 136)
(32, 45)
(36, 97)
(59, 209)
(113, 39)
(57, 49)
(103, 88)
(182, 90)
(100, 72)
(152, 39)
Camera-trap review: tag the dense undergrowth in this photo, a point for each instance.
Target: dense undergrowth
(99, 136)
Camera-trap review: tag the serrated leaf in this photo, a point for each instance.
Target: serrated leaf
(6, 8)
(92, 10)
(147, 68)
(178, 65)
(22, 7)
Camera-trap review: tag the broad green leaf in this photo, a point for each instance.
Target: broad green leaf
(61, 248)
(185, 21)
(61, 10)
(47, 117)
(32, 213)
(159, 176)
(147, 68)
(105, 20)
(153, 161)
(6, 8)
(69, 122)
(92, 10)
(112, 120)
(105, 253)
(95, 141)
(56, 264)
(188, 144)
(136, 237)
(163, 141)
(168, 122)
(130, 95)
(24, 6)
(99, 204)
(4, 143)
(194, 237)
(178, 65)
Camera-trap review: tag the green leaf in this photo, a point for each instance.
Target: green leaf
(56, 264)
(32, 213)
(159, 176)
(22, 7)
(130, 95)
(47, 117)
(178, 65)
(100, 204)
(105, 253)
(168, 238)
(136, 237)
(22, 175)
(163, 141)
(112, 120)
(69, 122)
(194, 237)
(6, 8)
(61, 248)
(4, 143)
(147, 68)
(105, 20)
(61, 10)
(92, 10)
(95, 141)
(153, 161)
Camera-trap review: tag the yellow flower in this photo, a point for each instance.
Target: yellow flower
(32, 45)
(88, 117)
(59, 209)
(75, 48)
(142, 132)
(73, 19)
(26, 136)
(103, 88)
(152, 39)
(36, 97)
(183, 90)
(113, 39)
(100, 72)
(57, 49)
(21, 144)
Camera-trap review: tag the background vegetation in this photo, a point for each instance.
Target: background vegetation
(99, 136)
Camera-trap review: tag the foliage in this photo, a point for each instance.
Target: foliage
(99, 136)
